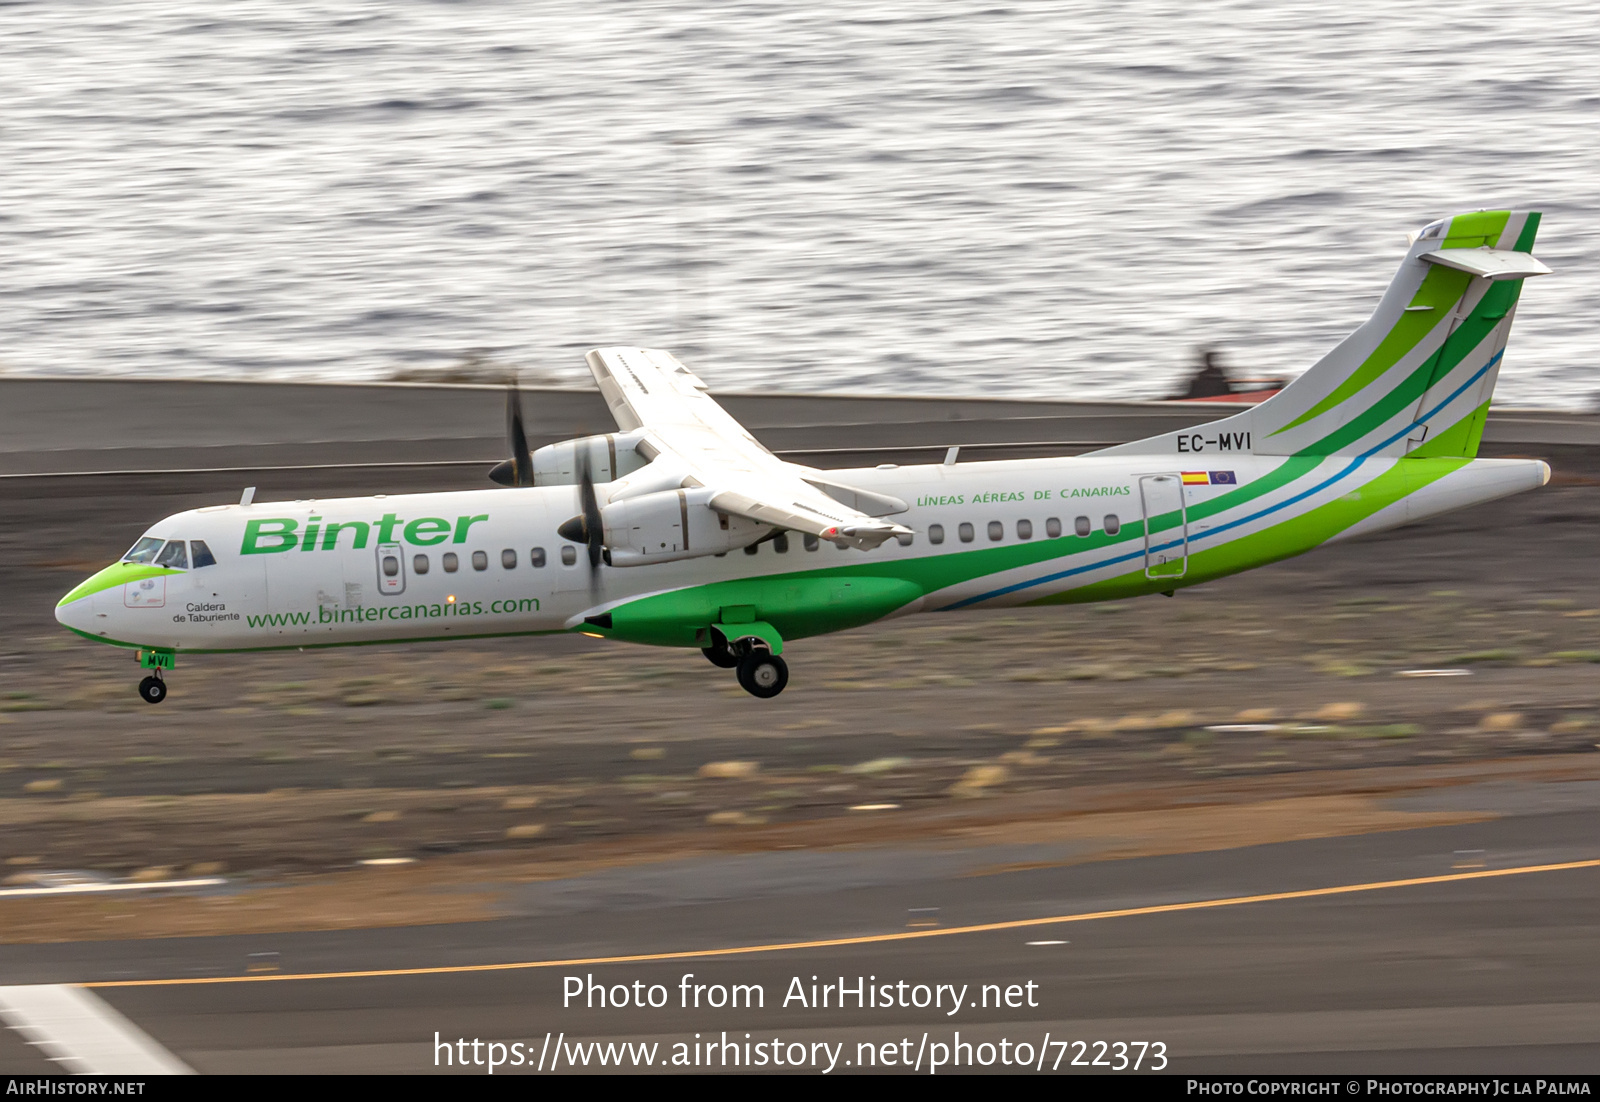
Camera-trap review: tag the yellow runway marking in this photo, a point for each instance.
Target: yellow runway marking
(866, 939)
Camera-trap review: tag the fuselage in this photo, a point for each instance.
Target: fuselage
(490, 562)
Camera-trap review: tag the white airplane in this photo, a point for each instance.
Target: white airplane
(682, 530)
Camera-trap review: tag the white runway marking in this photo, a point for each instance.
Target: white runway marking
(83, 1033)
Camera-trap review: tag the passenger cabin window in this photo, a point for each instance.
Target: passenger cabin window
(202, 554)
(1082, 526)
(811, 542)
(569, 555)
(536, 557)
(965, 532)
(451, 563)
(174, 555)
(1052, 528)
(780, 543)
(143, 551)
(1112, 524)
(508, 559)
(419, 564)
(480, 560)
(906, 540)
(1024, 529)
(391, 566)
(997, 531)
(935, 533)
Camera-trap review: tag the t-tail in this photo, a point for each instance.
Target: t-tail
(1411, 386)
(1416, 379)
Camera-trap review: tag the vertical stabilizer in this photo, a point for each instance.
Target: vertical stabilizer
(1417, 377)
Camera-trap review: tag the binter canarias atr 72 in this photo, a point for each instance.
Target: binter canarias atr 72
(681, 530)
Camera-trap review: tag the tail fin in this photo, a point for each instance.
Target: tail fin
(1417, 377)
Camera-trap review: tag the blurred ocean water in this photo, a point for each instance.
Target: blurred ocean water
(1057, 199)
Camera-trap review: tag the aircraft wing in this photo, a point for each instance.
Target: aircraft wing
(649, 390)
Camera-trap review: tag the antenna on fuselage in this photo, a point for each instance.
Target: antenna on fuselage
(248, 496)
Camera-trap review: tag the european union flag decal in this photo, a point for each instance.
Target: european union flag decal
(1223, 478)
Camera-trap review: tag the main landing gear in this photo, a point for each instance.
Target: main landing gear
(721, 655)
(761, 673)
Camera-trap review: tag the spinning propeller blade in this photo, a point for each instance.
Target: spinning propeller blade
(587, 527)
(518, 470)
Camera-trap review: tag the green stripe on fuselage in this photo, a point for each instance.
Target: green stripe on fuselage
(932, 573)
(1292, 536)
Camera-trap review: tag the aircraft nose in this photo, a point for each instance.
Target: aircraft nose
(75, 613)
(76, 610)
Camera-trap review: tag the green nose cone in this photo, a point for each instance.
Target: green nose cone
(120, 573)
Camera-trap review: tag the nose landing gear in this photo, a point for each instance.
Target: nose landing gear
(153, 689)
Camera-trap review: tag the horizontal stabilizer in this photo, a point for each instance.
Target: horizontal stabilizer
(1489, 263)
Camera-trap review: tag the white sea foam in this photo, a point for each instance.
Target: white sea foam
(1053, 199)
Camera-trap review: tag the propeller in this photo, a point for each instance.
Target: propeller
(593, 525)
(518, 470)
(587, 527)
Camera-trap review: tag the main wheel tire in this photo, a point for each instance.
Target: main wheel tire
(153, 689)
(721, 656)
(762, 674)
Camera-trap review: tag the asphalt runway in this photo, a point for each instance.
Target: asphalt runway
(1465, 972)
(1457, 949)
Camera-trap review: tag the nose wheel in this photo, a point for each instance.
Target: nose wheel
(153, 689)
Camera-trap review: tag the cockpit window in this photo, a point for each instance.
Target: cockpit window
(174, 556)
(202, 554)
(143, 551)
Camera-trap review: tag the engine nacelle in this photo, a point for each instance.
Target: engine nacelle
(610, 457)
(673, 524)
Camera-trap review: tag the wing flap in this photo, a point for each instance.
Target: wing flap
(853, 497)
(649, 389)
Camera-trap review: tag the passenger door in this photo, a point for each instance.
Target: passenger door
(1166, 544)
